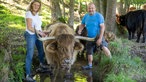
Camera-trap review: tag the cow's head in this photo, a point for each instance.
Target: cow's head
(62, 44)
(63, 47)
(121, 19)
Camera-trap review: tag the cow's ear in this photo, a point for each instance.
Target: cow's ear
(78, 46)
(52, 47)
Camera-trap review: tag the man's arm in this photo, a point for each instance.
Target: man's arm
(102, 28)
(81, 27)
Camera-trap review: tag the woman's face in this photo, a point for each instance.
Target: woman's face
(35, 6)
(91, 9)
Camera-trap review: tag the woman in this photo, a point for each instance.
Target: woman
(33, 22)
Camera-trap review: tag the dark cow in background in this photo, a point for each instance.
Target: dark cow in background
(135, 21)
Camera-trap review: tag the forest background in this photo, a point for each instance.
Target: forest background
(127, 65)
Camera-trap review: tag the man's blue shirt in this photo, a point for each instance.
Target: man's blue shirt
(92, 23)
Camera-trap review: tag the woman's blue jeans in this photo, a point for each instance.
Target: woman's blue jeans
(31, 41)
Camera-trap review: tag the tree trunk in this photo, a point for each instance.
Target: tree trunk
(71, 14)
(101, 6)
(55, 10)
(110, 15)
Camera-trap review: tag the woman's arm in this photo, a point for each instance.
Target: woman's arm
(30, 28)
(29, 25)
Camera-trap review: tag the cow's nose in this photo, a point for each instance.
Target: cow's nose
(67, 61)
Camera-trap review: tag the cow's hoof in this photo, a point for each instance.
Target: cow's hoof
(43, 70)
(143, 41)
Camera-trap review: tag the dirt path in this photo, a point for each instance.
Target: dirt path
(139, 49)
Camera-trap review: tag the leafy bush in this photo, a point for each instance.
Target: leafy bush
(125, 67)
(4, 10)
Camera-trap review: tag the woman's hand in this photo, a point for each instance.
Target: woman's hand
(42, 34)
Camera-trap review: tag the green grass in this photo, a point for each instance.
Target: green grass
(123, 67)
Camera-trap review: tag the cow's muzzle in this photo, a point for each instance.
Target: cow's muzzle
(66, 64)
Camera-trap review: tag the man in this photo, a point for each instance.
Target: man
(94, 23)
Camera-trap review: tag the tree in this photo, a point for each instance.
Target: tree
(108, 9)
(101, 6)
(110, 15)
(71, 13)
(55, 10)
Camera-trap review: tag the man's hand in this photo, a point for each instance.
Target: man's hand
(79, 32)
(81, 27)
(98, 42)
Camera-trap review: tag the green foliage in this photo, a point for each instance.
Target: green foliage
(19, 71)
(10, 20)
(119, 78)
(63, 20)
(4, 10)
(11, 35)
(125, 68)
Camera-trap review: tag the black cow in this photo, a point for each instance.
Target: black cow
(135, 21)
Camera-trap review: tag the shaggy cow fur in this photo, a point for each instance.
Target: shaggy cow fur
(61, 52)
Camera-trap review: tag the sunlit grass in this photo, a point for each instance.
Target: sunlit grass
(18, 26)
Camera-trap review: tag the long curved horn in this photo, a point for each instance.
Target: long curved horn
(46, 38)
(84, 38)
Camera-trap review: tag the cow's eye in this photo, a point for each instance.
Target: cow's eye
(58, 47)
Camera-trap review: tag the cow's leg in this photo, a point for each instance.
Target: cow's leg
(139, 31)
(144, 30)
(144, 35)
(129, 36)
(143, 38)
(133, 29)
(133, 35)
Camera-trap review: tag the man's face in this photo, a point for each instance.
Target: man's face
(91, 9)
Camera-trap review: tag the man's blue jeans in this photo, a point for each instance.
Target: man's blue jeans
(31, 41)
